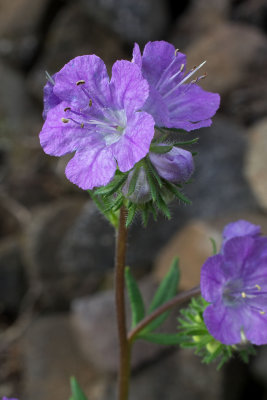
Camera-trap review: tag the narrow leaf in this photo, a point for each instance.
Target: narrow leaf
(133, 182)
(135, 297)
(160, 149)
(172, 188)
(193, 141)
(76, 391)
(214, 246)
(166, 291)
(131, 214)
(161, 338)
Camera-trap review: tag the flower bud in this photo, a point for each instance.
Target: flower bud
(176, 166)
(141, 193)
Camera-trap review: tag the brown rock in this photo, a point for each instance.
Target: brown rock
(229, 61)
(51, 357)
(255, 167)
(200, 18)
(192, 245)
(96, 314)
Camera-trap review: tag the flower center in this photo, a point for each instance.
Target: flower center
(110, 124)
(236, 293)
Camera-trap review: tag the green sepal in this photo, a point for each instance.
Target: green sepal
(163, 206)
(166, 291)
(103, 206)
(174, 130)
(113, 186)
(186, 142)
(214, 246)
(76, 391)
(131, 213)
(160, 149)
(173, 189)
(161, 338)
(135, 297)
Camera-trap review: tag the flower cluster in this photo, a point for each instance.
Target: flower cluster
(234, 282)
(122, 124)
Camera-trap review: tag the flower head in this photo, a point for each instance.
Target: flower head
(174, 101)
(235, 283)
(97, 118)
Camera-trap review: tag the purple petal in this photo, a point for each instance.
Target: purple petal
(137, 57)
(212, 278)
(128, 88)
(224, 323)
(255, 326)
(241, 228)
(191, 107)
(159, 56)
(175, 166)
(82, 79)
(156, 106)
(92, 167)
(236, 252)
(50, 99)
(135, 143)
(58, 138)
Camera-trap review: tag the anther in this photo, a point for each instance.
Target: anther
(243, 294)
(262, 312)
(67, 109)
(258, 287)
(176, 52)
(81, 82)
(65, 120)
(90, 103)
(82, 125)
(182, 67)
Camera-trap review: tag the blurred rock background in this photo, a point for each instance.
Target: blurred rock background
(56, 251)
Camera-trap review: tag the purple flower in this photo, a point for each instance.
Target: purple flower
(7, 398)
(235, 283)
(174, 101)
(240, 228)
(50, 99)
(97, 118)
(176, 166)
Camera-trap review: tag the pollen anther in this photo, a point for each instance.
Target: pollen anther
(243, 294)
(82, 125)
(65, 120)
(90, 103)
(67, 109)
(81, 82)
(262, 312)
(258, 287)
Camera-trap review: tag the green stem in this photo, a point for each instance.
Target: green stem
(179, 299)
(124, 344)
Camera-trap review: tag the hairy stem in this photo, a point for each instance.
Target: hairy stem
(177, 300)
(124, 344)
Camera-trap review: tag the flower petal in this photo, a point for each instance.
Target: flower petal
(92, 167)
(156, 106)
(255, 327)
(191, 107)
(50, 99)
(128, 88)
(58, 138)
(241, 228)
(224, 323)
(82, 79)
(212, 278)
(159, 56)
(236, 252)
(135, 143)
(137, 57)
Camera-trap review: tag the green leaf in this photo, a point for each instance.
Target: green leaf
(76, 391)
(162, 206)
(193, 141)
(214, 246)
(102, 205)
(152, 186)
(166, 291)
(171, 130)
(133, 181)
(160, 149)
(172, 188)
(161, 338)
(131, 213)
(112, 187)
(135, 297)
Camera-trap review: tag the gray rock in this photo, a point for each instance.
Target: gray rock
(133, 20)
(42, 241)
(13, 281)
(73, 33)
(51, 357)
(94, 321)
